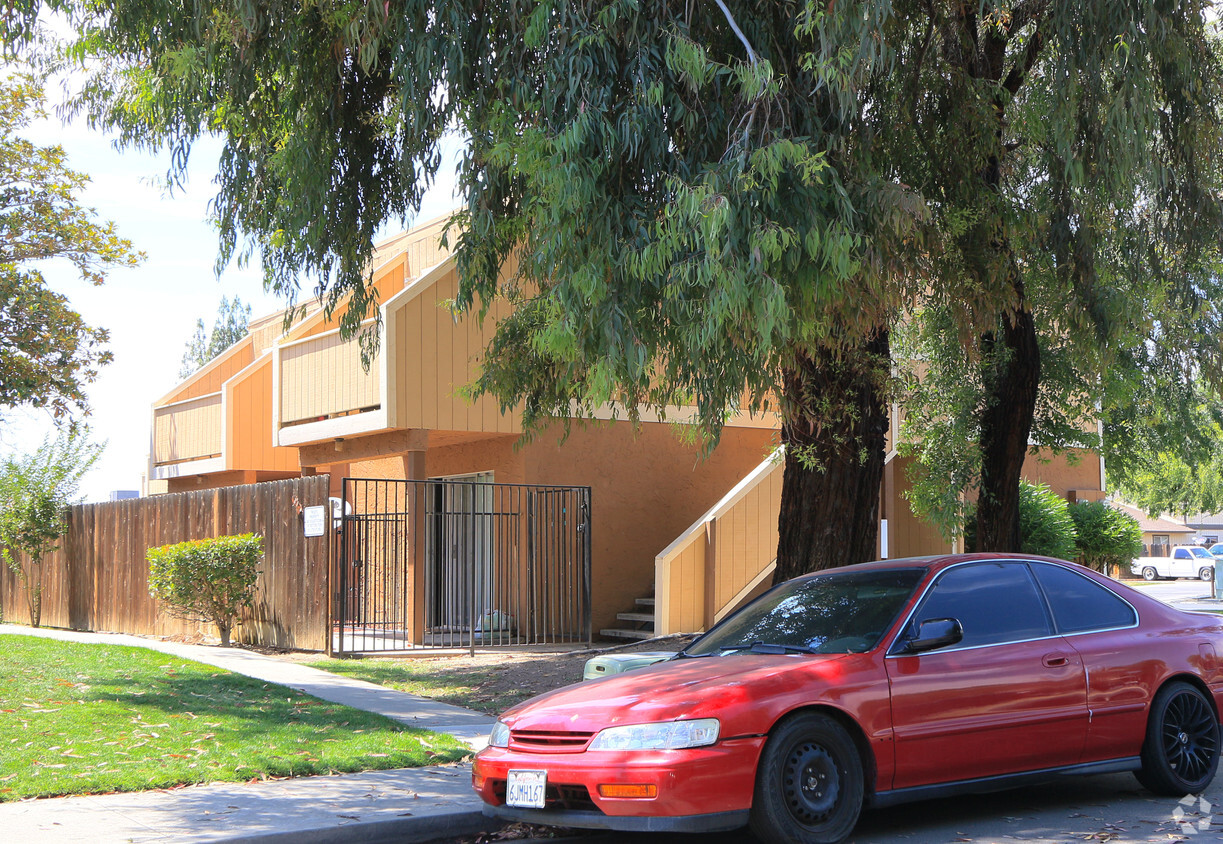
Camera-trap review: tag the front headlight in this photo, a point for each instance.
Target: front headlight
(500, 735)
(669, 735)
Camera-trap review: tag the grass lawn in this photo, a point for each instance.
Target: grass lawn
(87, 719)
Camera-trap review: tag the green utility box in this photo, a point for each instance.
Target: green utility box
(604, 666)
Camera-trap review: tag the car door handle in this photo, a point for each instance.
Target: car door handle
(1055, 660)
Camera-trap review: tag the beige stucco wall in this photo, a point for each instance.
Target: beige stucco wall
(646, 489)
(1064, 472)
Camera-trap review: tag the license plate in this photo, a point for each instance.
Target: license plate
(525, 789)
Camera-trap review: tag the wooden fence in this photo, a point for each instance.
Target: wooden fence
(98, 580)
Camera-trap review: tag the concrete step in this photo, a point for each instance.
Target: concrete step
(645, 602)
(621, 633)
(642, 617)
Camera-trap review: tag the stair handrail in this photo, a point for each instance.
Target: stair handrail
(701, 530)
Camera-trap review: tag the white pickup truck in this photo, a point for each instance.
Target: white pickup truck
(1184, 561)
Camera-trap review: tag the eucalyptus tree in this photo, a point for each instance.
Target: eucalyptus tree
(672, 194)
(719, 204)
(1069, 153)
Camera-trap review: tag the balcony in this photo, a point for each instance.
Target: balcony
(345, 388)
(187, 431)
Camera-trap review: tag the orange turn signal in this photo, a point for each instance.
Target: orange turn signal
(627, 790)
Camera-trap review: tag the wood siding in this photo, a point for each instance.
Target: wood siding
(431, 356)
(188, 430)
(248, 430)
(718, 561)
(909, 535)
(322, 376)
(387, 280)
(421, 246)
(98, 580)
(215, 373)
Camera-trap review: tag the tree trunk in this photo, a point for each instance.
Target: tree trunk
(33, 591)
(1012, 382)
(223, 629)
(834, 427)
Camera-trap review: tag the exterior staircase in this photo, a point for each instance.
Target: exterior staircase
(636, 624)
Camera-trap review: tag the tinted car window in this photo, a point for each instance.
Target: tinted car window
(1181, 554)
(1079, 604)
(843, 612)
(995, 602)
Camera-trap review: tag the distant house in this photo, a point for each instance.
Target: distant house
(674, 542)
(1159, 533)
(1209, 527)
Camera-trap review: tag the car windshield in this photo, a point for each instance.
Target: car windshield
(835, 613)
(1199, 552)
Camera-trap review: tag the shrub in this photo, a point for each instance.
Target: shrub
(207, 579)
(1045, 526)
(1107, 537)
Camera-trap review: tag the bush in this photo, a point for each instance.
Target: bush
(1045, 526)
(1107, 537)
(207, 579)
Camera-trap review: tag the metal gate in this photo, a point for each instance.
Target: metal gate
(460, 564)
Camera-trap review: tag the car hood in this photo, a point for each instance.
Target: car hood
(698, 687)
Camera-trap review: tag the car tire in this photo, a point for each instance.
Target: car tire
(1206, 574)
(1149, 573)
(809, 783)
(1181, 750)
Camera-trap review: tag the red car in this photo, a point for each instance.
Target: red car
(868, 686)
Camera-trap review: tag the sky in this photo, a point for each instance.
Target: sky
(150, 310)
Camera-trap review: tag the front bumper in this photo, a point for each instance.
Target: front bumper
(702, 789)
(712, 822)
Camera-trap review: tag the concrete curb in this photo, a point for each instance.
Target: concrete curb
(399, 831)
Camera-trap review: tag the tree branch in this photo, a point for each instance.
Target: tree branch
(1027, 11)
(1019, 72)
(751, 54)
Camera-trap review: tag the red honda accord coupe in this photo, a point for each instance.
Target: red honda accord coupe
(868, 686)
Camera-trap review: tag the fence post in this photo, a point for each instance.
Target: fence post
(416, 527)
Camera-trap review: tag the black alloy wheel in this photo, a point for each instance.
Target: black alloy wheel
(1181, 751)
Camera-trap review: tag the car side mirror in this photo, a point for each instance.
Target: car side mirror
(935, 633)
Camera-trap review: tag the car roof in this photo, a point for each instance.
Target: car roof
(938, 562)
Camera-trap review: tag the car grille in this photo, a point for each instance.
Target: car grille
(549, 741)
(560, 797)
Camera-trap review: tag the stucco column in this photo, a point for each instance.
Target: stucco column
(414, 471)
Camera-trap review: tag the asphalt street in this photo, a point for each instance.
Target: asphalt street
(1110, 808)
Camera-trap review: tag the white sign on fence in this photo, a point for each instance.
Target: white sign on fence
(315, 520)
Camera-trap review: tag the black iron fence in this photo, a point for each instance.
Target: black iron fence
(460, 564)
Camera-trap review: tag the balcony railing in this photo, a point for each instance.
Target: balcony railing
(187, 430)
(322, 377)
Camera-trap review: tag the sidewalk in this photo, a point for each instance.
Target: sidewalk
(406, 805)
